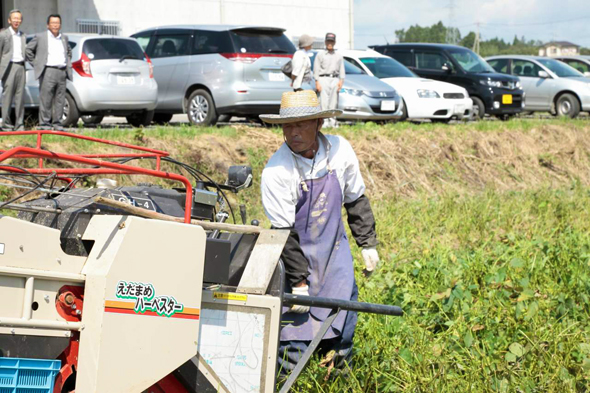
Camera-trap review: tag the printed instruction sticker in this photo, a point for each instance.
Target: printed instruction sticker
(230, 296)
(1, 248)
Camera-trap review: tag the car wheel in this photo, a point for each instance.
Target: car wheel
(92, 119)
(567, 105)
(71, 115)
(224, 118)
(404, 112)
(201, 109)
(162, 118)
(140, 119)
(479, 109)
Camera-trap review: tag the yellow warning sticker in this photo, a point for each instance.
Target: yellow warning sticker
(230, 296)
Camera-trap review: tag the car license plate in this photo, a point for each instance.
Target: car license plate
(459, 109)
(125, 80)
(276, 77)
(507, 99)
(387, 105)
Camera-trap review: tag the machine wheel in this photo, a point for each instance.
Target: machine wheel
(162, 118)
(71, 114)
(140, 119)
(567, 105)
(479, 109)
(201, 109)
(92, 119)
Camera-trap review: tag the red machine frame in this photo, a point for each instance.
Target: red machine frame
(101, 167)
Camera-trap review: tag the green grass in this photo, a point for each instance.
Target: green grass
(496, 291)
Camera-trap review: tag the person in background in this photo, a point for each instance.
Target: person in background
(12, 72)
(50, 54)
(303, 187)
(328, 72)
(301, 63)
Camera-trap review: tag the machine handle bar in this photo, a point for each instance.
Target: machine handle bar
(322, 302)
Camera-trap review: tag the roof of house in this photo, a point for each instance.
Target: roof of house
(560, 43)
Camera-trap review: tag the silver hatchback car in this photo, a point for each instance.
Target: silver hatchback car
(210, 70)
(549, 84)
(111, 76)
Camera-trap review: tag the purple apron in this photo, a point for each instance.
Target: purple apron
(318, 220)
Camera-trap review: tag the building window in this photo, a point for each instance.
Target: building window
(90, 26)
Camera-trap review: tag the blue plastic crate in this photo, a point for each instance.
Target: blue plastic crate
(28, 375)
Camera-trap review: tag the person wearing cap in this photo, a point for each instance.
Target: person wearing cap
(12, 72)
(304, 186)
(301, 63)
(328, 72)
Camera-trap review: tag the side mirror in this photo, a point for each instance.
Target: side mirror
(445, 67)
(543, 74)
(239, 176)
(587, 74)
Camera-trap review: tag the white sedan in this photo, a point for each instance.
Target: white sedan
(423, 98)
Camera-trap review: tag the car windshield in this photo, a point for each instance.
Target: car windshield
(349, 68)
(386, 67)
(261, 41)
(470, 61)
(112, 48)
(560, 69)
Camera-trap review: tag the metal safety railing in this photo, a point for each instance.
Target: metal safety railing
(97, 164)
(110, 27)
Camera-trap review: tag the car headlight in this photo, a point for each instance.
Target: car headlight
(518, 85)
(424, 93)
(353, 92)
(490, 83)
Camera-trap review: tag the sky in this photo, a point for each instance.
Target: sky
(376, 21)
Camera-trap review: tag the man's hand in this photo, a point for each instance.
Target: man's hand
(301, 290)
(371, 258)
(340, 83)
(318, 87)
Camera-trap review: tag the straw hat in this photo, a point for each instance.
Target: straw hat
(298, 106)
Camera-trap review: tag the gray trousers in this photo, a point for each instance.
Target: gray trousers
(329, 96)
(13, 89)
(52, 96)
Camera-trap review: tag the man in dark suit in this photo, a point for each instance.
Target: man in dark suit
(50, 54)
(12, 72)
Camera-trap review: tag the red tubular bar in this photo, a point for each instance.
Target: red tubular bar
(104, 167)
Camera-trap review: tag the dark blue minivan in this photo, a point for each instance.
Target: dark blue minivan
(492, 93)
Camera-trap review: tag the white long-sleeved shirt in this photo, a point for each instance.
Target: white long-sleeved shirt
(17, 49)
(281, 179)
(56, 56)
(301, 68)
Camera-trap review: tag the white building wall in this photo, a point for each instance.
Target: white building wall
(313, 17)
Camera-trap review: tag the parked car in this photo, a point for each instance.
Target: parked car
(364, 97)
(111, 76)
(492, 93)
(580, 63)
(211, 70)
(550, 85)
(423, 98)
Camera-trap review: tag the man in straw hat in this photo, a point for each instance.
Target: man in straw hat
(304, 185)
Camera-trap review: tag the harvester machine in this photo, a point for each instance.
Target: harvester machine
(141, 288)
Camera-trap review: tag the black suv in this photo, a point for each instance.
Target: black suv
(492, 93)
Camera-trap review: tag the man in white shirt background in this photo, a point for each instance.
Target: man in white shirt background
(50, 54)
(301, 63)
(12, 72)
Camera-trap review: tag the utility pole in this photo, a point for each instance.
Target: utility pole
(451, 37)
(476, 42)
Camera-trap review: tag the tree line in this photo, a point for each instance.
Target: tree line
(439, 33)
